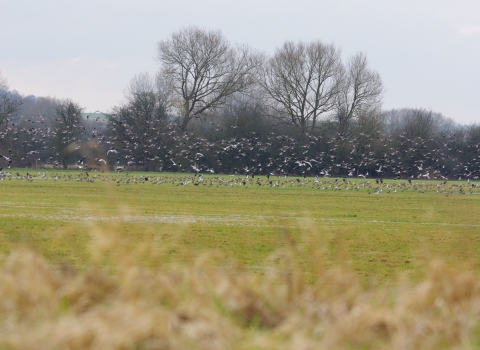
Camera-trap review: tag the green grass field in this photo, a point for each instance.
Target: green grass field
(119, 261)
(380, 235)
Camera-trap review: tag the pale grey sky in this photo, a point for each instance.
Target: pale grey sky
(426, 51)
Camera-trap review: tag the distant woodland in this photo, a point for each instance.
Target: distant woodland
(214, 107)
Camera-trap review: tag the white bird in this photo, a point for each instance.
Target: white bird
(427, 175)
(195, 168)
(304, 163)
(324, 173)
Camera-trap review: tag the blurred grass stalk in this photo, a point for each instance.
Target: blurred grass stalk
(131, 295)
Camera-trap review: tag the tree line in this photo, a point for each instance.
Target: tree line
(219, 108)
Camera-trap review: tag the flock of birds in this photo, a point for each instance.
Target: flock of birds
(392, 156)
(370, 186)
(280, 161)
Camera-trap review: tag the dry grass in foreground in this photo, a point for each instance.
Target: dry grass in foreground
(214, 304)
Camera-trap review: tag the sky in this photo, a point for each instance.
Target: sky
(427, 52)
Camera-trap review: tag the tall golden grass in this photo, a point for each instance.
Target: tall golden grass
(121, 301)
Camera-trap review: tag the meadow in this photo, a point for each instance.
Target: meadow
(379, 235)
(279, 262)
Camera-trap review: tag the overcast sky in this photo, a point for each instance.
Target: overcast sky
(426, 51)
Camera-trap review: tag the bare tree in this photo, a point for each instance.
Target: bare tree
(138, 126)
(9, 104)
(67, 130)
(361, 91)
(302, 82)
(201, 69)
(418, 123)
(3, 82)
